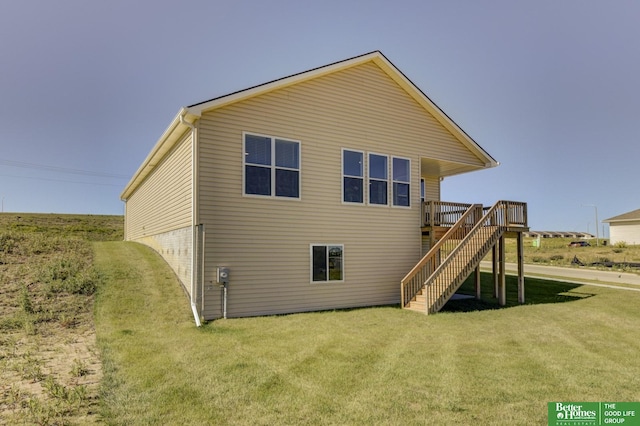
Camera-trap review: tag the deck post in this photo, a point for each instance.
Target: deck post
(477, 282)
(502, 293)
(494, 268)
(520, 268)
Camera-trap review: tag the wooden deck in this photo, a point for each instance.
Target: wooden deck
(461, 235)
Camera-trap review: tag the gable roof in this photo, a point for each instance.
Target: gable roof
(625, 217)
(188, 115)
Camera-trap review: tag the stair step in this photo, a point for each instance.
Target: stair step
(416, 306)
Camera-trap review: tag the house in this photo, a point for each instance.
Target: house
(304, 193)
(625, 228)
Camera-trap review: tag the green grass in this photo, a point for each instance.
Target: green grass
(49, 366)
(556, 251)
(85, 227)
(475, 364)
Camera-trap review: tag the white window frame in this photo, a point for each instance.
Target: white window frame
(369, 178)
(272, 166)
(327, 280)
(393, 181)
(363, 177)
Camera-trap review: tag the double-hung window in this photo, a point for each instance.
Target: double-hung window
(401, 172)
(352, 176)
(378, 179)
(327, 262)
(271, 166)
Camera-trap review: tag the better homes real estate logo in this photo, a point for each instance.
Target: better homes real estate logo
(573, 413)
(594, 413)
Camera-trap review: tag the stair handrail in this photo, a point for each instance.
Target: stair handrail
(493, 222)
(411, 284)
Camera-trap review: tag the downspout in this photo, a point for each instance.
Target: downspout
(194, 217)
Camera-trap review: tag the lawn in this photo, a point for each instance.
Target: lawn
(473, 364)
(99, 331)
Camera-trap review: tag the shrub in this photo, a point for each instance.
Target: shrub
(60, 270)
(86, 282)
(621, 244)
(9, 243)
(25, 301)
(79, 368)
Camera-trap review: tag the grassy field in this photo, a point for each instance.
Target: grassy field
(50, 369)
(475, 363)
(556, 251)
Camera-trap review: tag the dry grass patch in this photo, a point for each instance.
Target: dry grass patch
(49, 366)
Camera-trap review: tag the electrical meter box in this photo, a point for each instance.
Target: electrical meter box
(223, 275)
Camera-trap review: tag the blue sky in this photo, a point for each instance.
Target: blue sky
(549, 88)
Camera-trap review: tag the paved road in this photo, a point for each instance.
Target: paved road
(575, 275)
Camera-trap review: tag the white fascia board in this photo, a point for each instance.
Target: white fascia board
(166, 142)
(241, 95)
(434, 110)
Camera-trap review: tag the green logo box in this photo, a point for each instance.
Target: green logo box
(593, 413)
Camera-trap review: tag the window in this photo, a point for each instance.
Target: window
(271, 166)
(378, 179)
(401, 172)
(327, 262)
(352, 176)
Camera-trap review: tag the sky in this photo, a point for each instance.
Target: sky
(550, 88)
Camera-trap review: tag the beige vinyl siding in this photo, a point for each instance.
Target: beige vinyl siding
(628, 233)
(431, 188)
(163, 201)
(266, 241)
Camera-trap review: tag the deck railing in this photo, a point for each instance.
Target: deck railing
(414, 281)
(446, 213)
(442, 213)
(450, 261)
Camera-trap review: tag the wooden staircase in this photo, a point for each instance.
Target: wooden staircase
(432, 282)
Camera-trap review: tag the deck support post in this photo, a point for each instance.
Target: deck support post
(477, 282)
(502, 293)
(494, 268)
(520, 268)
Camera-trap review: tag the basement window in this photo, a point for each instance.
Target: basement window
(327, 262)
(271, 166)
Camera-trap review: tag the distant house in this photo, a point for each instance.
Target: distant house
(305, 194)
(625, 228)
(557, 234)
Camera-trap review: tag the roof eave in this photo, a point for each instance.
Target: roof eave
(167, 141)
(191, 113)
(379, 59)
(446, 121)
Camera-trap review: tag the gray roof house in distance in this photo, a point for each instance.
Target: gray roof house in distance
(316, 191)
(625, 228)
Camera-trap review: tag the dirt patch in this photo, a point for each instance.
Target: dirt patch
(50, 369)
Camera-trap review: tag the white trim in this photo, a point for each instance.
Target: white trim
(327, 281)
(368, 180)
(393, 157)
(271, 166)
(194, 112)
(381, 61)
(364, 180)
